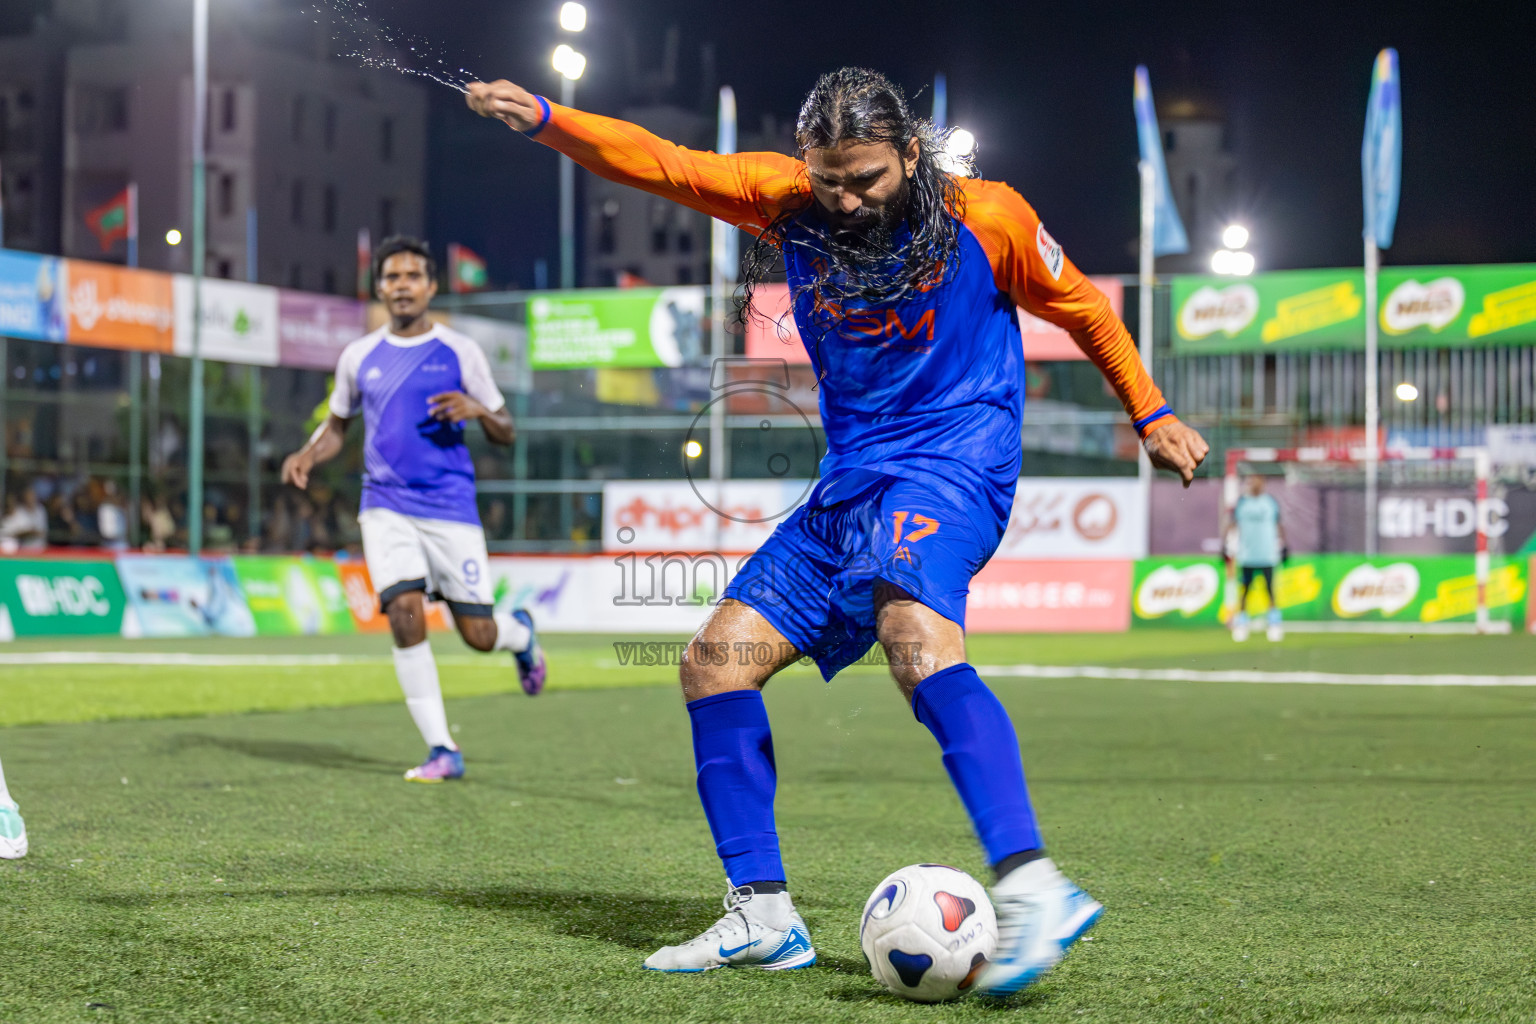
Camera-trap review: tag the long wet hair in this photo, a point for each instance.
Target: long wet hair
(861, 270)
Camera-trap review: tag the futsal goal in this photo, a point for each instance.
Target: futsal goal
(1415, 550)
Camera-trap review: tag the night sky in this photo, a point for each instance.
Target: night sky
(1047, 90)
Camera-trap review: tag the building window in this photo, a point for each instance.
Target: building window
(387, 216)
(685, 242)
(100, 110)
(330, 127)
(328, 280)
(295, 277)
(328, 209)
(296, 126)
(685, 274)
(226, 193)
(387, 139)
(296, 202)
(227, 111)
(224, 268)
(661, 224)
(608, 227)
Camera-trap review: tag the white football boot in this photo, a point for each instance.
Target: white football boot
(13, 832)
(759, 930)
(1039, 914)
(1275, 634)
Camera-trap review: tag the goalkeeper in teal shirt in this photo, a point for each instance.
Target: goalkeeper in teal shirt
(1260, 548)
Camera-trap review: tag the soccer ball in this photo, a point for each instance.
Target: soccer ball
(927, 932)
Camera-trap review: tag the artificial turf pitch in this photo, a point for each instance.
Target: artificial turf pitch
(1265, 852)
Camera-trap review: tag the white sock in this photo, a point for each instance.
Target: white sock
(417, 671)
(771, 910)
(511, 635)
(5, 794)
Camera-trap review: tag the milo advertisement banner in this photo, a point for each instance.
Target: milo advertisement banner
(1176, 592)
(1424, 588)
(1333, 588)
(293, 596)
(1419, 307)
(616, 327)
(49, 597)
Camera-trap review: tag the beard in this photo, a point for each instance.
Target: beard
(865, 236)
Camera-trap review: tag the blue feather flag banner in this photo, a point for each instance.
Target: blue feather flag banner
(1168, 235)
(1381, 154)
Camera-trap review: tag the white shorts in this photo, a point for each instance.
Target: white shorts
(446, 559)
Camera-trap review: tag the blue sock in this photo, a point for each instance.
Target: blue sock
(981, 754)
(733, 751)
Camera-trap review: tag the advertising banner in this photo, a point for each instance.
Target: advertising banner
(293, 596)
(505, 345)
(239, 321)
(1429, 589)
(1050, 597)
(616, 327)
(32, 292)
(176, 596)
(115, 307)
(1075, 517)
(772, 333)
(313, 329)
(363, 601)
(631, 593)
(1421, 307)
(676, 515)
(1336, 588)
(47, 597)
(1177, 592)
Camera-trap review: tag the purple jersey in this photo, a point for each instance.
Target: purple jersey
(414, 464)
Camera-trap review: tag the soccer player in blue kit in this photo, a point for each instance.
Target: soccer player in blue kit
(416, 384)
(905, 279)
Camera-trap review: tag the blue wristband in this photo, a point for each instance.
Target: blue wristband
(543, 118)
(1156, 414)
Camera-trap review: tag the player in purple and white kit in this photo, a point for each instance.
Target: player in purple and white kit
(416, 383)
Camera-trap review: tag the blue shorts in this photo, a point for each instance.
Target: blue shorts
(813, 580)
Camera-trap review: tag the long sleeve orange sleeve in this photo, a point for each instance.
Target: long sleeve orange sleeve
(745, 189)
(1029, 266)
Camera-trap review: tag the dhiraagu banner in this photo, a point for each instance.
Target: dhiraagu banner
(616, 327)
(53, 597)
(291, 596)
(1421, 307)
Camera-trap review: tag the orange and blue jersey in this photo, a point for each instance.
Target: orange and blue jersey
(920, 396)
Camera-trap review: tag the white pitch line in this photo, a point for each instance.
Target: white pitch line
(1190, 675)
(165, 658)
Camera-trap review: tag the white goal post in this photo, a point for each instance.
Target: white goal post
(1482, 468)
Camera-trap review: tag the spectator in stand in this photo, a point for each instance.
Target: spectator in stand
(159, 523)
(111, 519)
(25, 524)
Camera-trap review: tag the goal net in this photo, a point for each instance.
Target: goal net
(1421, 551)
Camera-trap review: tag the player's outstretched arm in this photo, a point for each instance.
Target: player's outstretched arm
(1029, 265)
(746, 189)
(323, 445)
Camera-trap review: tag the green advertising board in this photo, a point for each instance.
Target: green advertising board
(48, 597)
(1334, 588)
(293, 596)
(1176, 592)
(1419, 307)
(635, 327)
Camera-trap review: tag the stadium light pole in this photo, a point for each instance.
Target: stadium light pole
(570, 63)
(199, 256)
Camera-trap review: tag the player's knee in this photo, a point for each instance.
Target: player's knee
(407, 618)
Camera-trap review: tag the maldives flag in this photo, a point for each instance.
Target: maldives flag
(466, 271)
(113, 219)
